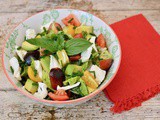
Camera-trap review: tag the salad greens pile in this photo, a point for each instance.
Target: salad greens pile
(61, 63)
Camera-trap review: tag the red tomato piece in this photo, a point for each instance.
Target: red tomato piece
(71, 19)
(100, 41)
(79, 35)
(75, 57)
(105, 64)
(55, 27)
(59, 95)
(58, 26)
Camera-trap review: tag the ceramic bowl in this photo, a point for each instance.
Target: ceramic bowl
(42, 18)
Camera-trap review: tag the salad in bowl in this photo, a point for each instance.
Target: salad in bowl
(63, 60)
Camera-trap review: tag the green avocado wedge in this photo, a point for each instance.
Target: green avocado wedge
(83, 88)
(71, 81)
(29, 47)
(45, 62)
(88, 29)
(71, 69)
(31, 86)
(46, 79)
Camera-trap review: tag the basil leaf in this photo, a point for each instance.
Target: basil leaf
(44, 42)
(60, 41)
(76, 46)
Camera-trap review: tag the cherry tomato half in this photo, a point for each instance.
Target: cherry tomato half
(59, 95)
(100, 41)
(105, 64)
(79, 35)
(55, 27)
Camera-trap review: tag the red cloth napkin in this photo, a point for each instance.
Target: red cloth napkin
(138, 78)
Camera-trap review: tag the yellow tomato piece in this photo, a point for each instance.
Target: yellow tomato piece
(31, 75)
(38, 36)
(90, 90)
(90, 80)
(69, 30)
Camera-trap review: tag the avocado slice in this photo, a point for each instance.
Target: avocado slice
(29, 47)
(71, 68)
(46, 79)
(77, 69)
(71, 81)
(31, 86)
(85, 65)
(88, 36)
(88, 29)
(83, 88)
(105, 55)
(62, 57)
(90, 90)
(45, 62)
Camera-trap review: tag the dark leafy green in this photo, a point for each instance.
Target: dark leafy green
(76, 46)
(84, 33)
(92, 34)
(24, 71)
(19, 48)
(43, 33)
(74, 27)
(45, 42)
(76, 91)
(12, 70)
(51, 42)
(24, 79)
(60, 41)
(72, 47)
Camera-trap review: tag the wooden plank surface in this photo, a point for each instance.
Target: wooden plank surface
(15, 106)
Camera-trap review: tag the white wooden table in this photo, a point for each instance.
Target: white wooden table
(15, 106)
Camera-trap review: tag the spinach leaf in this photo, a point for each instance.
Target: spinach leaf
(44, 42)
(76, 46)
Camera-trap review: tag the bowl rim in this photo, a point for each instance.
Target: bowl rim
(85, 98)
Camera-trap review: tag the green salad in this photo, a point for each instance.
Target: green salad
(61, 63)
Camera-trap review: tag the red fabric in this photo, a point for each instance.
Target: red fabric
(138, 78)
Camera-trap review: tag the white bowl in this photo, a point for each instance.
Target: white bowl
(42, 18)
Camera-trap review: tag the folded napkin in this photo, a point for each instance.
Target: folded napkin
(138, 78)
